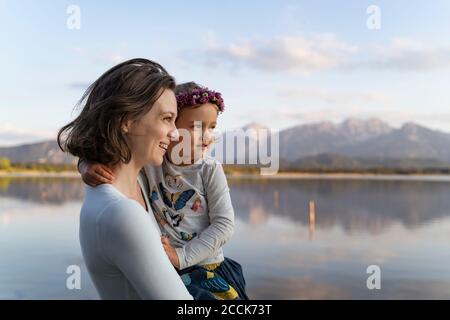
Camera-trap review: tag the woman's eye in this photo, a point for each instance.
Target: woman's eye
(168, 119)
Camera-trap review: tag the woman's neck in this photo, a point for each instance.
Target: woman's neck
(126, 178)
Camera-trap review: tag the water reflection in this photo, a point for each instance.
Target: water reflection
(355, 205)
(42, 190)
(289, 247)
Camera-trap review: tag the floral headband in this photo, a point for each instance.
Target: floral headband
(200, 95)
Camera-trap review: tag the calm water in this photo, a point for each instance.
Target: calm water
(401, 226)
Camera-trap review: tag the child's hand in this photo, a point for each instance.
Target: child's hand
(94, 173)
(160, 220)
(170, 251)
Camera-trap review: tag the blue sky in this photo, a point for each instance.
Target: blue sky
(279, 63)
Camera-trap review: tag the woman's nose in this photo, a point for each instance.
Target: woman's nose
(174, 135)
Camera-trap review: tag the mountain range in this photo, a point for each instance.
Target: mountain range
(42, 152)
(364, 138)
(354, 142)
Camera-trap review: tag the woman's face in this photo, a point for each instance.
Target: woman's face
(150, 136)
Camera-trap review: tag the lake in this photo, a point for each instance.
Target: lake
(400, 225)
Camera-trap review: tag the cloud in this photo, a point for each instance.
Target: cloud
(396, 118)
(77, 50)
(11, 135)
(109, 58)
(303, 55)
(113, 56)
(285, 116)
(307, 116)
(292, 54)
(403, 54)
(79, 85)
(332, 96)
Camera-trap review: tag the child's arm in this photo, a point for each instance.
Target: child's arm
(221, 228)
(94, 173)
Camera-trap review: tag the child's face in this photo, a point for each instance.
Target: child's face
(206, 113)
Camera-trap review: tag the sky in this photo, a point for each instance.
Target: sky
(278, 63)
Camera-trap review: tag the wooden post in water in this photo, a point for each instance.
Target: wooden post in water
(276, 199)
(312, 219)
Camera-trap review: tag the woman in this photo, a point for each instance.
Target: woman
(128, 121)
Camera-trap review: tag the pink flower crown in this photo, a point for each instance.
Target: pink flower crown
(200, 95)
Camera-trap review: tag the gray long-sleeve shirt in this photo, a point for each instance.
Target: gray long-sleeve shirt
(122, 248)
(193, 207)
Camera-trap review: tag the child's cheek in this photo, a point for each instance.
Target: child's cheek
(193, 134)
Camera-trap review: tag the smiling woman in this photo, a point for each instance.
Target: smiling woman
(127, 122)
(121, 96)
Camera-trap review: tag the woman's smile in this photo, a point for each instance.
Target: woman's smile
(164, 146)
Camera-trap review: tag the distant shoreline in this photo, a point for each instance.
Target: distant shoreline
(341, 176)
(39, 174)
(257, 176)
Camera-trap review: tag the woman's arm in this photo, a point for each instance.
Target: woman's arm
(221, 228)
(131, 242)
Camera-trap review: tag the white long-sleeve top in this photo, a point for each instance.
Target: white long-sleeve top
(122, 248)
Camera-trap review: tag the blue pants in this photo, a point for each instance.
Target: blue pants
(226, 282)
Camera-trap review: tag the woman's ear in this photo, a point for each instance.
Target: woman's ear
(126, 125)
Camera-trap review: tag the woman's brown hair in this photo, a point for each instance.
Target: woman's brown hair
(124, 92)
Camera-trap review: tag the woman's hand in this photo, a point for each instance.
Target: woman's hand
(94, 173)
(170, 251)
